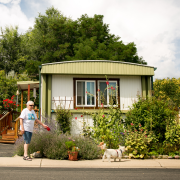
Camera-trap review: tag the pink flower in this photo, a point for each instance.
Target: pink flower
(141, 129)
(114, 88)
(76, 118)
(107, 82)
(81, 115)
(132, 124)
(140, 125)
(101, 104)
(136, 129)
(98, 90)
(103, 115)
(75, 108)
(86, 91)
(146, 135)
(111, 87)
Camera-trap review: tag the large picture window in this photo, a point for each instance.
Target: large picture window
(86, 95)
(93, 93)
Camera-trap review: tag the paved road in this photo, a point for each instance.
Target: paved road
(7, 150)
(88, 174)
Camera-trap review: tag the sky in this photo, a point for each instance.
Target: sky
(153, 25)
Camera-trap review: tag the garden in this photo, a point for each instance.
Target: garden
(151, 129)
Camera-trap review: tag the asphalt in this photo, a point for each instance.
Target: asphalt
(7, 151)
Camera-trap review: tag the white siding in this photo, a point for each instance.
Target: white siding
(130, 88)
(62, 89)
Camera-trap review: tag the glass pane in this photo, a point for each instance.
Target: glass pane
(112, 93)
(90, 93)
(103, 93)
(80, 93)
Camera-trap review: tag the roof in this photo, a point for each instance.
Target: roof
(97, 67)
(23, 85)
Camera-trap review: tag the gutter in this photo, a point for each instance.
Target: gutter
(40, 67)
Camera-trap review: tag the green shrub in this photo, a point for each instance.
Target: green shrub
(53, 145)
(138, 142)
(108, 128)
(153, 114)
(63, 118)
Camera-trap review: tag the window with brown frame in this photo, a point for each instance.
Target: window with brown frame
(95, 93)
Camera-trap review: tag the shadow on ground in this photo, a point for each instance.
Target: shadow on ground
(7, 150)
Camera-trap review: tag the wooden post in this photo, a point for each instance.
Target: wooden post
(28, 92)
(16, 130)
(21, 101)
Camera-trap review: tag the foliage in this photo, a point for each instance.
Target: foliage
(153, 114)
(138, 142)
(168, 89)
(56, 38)
(10, 103)
(63, 118)
(10, 50)
(8, 87)
(52, 145)
(108, 128)
(172, 142)
(70, 144)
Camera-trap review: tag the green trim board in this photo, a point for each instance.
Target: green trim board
(97, 67)
(49, 94)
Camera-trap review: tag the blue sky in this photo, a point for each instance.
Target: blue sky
(152, 25)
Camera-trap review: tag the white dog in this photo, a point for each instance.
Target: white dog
(114, 153)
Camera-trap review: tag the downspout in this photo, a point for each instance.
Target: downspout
(40, 67)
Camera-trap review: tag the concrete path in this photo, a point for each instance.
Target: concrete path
(18, 161)
(7, 150)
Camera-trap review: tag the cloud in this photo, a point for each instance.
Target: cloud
(14, 16)
(5, 1)
(152, 25)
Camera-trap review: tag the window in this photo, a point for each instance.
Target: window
(107, 93)
(91, 93)
(86, 95)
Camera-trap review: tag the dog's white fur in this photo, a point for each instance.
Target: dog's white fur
(116, 154)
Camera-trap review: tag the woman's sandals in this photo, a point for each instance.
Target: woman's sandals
(27, 158)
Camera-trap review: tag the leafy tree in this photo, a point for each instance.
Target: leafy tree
(10, 50)
(56, 38)
(168, 89)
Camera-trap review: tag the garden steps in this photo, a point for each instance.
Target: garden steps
(9, 137)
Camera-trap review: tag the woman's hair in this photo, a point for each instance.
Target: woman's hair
(29, 102)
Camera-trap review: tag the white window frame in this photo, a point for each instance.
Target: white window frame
(86, 105)
(99, 105)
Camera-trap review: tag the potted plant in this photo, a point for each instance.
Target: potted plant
(72, 150)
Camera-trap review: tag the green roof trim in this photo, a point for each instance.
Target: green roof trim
(97, 67)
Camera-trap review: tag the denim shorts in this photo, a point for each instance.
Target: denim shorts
(27, 137)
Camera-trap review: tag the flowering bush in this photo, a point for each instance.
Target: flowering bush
(10, 103)
(138, 142)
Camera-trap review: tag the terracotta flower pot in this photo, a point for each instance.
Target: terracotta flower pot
(73, 155)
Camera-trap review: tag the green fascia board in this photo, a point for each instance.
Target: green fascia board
(97, 67)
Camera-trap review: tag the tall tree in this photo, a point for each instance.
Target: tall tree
(10, 50)
(56, 38)
(168, 89)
